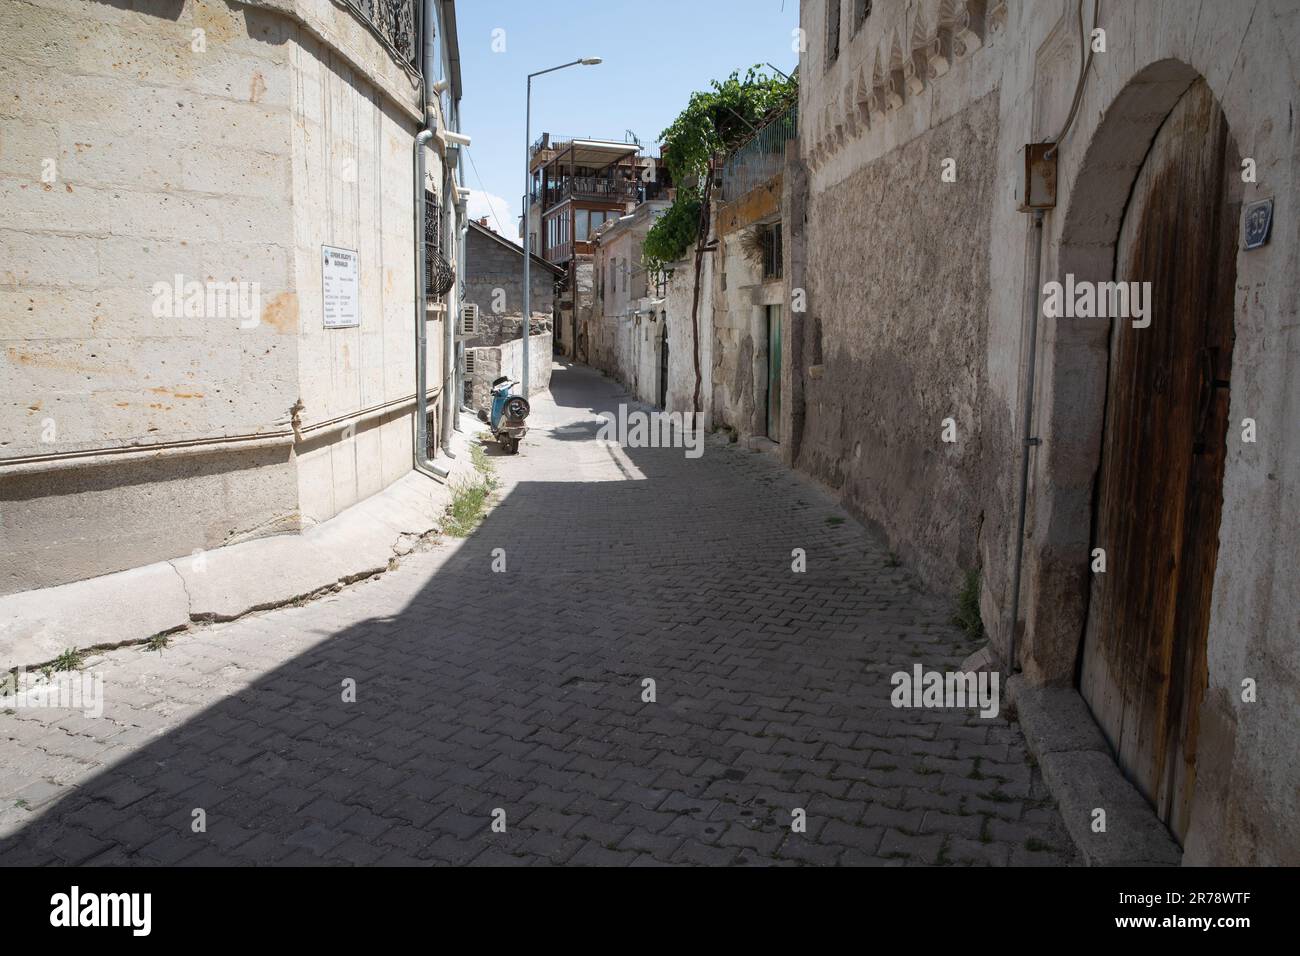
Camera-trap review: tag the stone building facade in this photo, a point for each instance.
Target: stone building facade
(638, 324)
(627, 339)
(750, 292)
(494, 281)
(225, 147)
(909, 371)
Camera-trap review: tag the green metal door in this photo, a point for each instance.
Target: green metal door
(774, 372)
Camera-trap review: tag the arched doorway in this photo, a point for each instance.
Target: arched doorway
(1159, 487)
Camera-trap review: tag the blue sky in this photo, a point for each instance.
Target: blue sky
(656, 53)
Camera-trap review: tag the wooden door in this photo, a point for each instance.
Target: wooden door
(663, 365)
(774, 372)
(1160, 484)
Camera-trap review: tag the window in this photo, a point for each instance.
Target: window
(832, 31)
(581, 223)
(613, 275)
(771, 238)
(626, 270)
(861, 10)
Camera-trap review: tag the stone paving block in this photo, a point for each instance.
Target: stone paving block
(773, 693)
(917, 849)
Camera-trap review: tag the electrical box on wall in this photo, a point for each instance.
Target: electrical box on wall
(1039, 187)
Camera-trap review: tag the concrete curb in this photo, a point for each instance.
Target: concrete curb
(226, 583)
(1082, 775)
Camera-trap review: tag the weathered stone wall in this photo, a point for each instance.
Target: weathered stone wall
(575, 312)
(352, 188)
(681, 338)
(740, 339)
(507, 358)
(884, 106)
(128, 157)
(898, 288)
(490, 267)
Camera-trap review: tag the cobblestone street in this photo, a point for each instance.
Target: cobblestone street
(522, 691)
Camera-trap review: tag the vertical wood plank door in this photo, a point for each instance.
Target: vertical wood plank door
(663, 365)
(1159, 493)
(774, 372)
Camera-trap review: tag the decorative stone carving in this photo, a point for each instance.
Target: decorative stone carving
(918, 67)
(938, 55)
(964, 21)
(849, 112)
(879, 88)
(863, 96)
(896, 78)
(997, 16)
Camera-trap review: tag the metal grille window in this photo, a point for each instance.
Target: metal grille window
(772, 251)
(438, 273)
(395, 22)
(861, 10)
(832, 31)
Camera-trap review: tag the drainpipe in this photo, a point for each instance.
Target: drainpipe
(449, 318)
(462, 214)
(1027, 440)
(451, 314)
(421, 462)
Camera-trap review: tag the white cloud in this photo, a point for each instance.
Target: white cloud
(500, 213)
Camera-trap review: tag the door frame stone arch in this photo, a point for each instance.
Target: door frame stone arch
(1075, 361)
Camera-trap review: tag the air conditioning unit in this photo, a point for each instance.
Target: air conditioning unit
(468, 319)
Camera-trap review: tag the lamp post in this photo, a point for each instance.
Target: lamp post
(528, 186)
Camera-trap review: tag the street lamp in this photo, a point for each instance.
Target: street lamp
(528, 185)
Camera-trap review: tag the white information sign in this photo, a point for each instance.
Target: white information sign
(340, 295)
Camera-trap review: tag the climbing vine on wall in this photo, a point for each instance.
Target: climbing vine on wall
(713, 123)
(672, 234)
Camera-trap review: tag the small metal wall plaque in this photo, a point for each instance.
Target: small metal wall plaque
(1258, 223)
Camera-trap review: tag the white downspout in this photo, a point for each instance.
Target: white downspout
(421, 463)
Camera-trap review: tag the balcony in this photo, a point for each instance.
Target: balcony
(396, 22)
(590, 188)
(587, 169)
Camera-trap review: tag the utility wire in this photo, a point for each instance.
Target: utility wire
(1085, 61)
(483, 189)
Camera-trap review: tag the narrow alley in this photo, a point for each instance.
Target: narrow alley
(516, 697)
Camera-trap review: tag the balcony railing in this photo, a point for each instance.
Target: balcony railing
(761, 158)
(396, 22)
(594, 188)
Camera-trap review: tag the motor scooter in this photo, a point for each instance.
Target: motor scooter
(509, 412)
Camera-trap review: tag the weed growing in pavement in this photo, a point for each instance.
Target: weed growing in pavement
(70, 660)
(157, 643)
(483, 466)
(470, 497)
